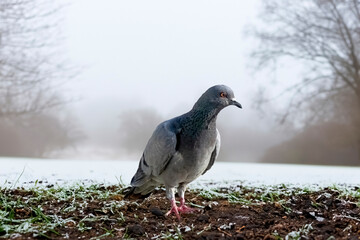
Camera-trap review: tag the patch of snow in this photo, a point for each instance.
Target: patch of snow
(48, 171)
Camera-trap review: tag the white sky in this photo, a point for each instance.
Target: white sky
(158, 54)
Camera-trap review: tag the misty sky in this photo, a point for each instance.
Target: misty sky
(158, 54)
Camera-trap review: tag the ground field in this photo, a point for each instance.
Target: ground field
(237, 212)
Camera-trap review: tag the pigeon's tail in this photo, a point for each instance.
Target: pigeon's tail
(146, 188)
(130, 193)
(142, 191)
(141, 184)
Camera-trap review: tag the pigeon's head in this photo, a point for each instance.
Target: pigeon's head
(218, 96)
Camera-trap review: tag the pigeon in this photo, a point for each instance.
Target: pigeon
(182, 149)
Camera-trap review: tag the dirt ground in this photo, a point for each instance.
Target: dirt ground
(324, 214)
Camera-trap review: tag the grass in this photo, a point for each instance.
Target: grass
(279, 194)
(300, 234)
(171, 234)
(23, 211)
(250, 196)
(348, 192)
(72, 198)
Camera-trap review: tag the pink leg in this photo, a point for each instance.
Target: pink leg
(174, 209)
(183, 208)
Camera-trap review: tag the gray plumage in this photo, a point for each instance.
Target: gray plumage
(183, 148)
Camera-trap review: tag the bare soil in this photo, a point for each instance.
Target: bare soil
(324, 214)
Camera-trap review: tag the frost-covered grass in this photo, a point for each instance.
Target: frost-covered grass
(265, 193)
(42, 210)
(279, 195)
(28, 207)
(252, 195)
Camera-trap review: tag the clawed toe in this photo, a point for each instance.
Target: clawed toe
(182, 209)
(186, 209)
(174, 209)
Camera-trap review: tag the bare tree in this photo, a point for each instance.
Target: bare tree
(31, 68)
(325, 35)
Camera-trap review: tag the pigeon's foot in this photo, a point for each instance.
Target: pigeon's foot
(182, 209)
(174, 209)
(185, 209)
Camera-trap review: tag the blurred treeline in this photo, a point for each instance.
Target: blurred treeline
(32, 118)
(323, 36)
(36, 135)
(321, 114)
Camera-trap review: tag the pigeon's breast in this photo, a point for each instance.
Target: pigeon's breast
(191, 158)
(197, 154)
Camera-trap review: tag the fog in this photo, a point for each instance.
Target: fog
(149, 62)
(142, 62)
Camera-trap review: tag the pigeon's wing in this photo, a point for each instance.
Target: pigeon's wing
(215, 152)
(157, 154)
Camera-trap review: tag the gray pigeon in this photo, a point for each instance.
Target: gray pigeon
(183, 148)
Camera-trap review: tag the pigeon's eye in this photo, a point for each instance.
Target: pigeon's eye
(222, 94)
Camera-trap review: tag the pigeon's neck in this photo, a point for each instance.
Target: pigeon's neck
(203, 118)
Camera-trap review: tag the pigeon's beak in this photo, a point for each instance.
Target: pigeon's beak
(235, 103)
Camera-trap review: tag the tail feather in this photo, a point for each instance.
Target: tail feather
(146, 188)
(142, 191)
(140, 177)
(129, 191)
(141, 183)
